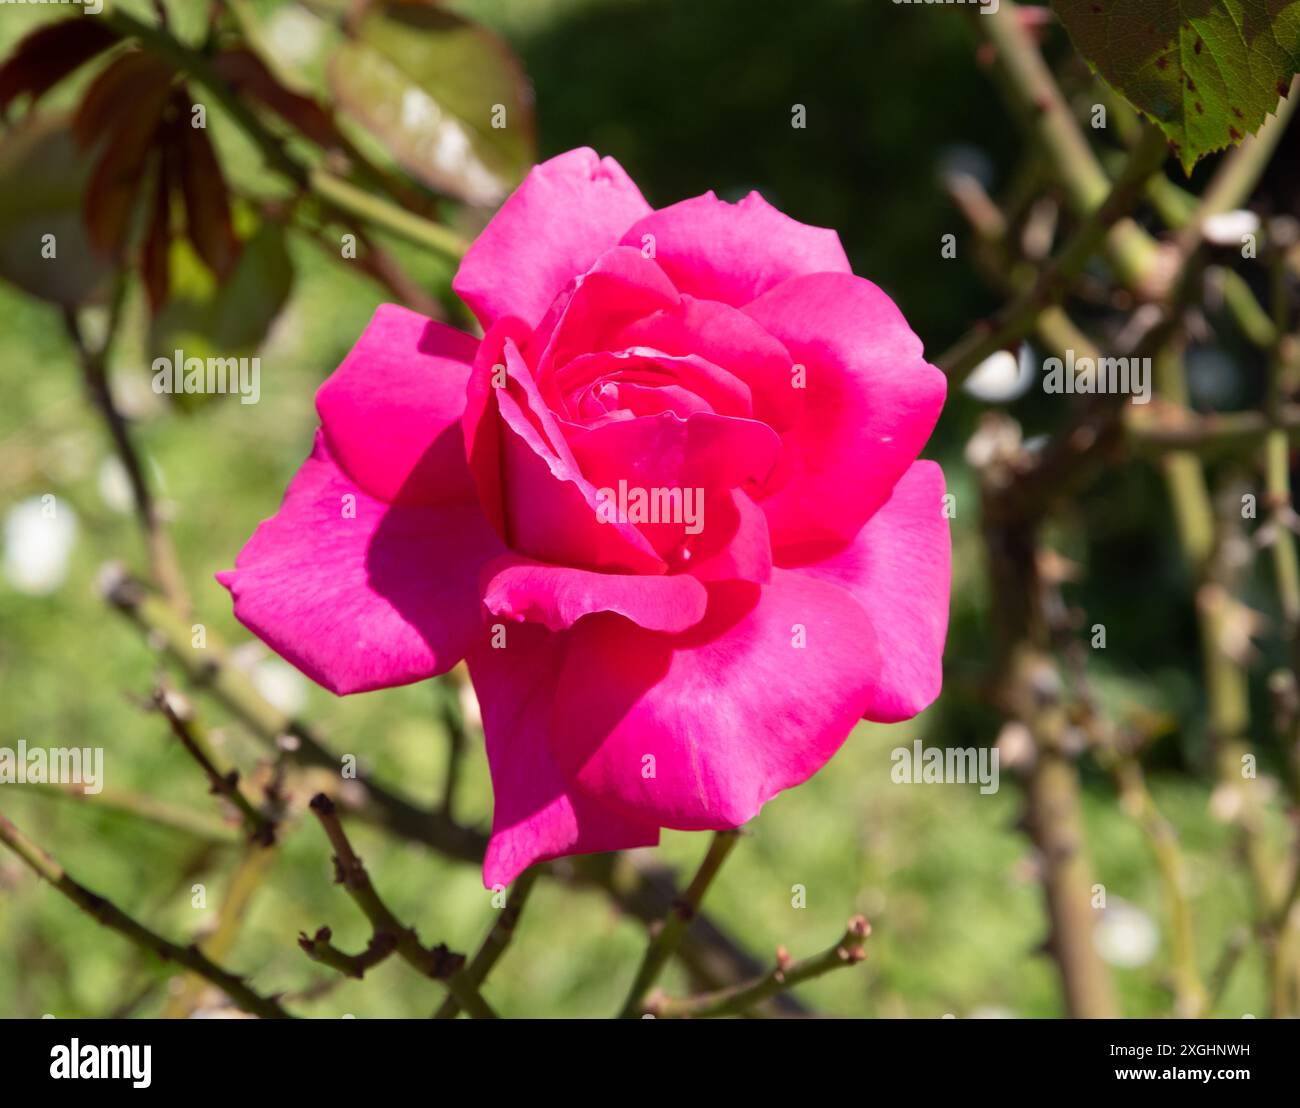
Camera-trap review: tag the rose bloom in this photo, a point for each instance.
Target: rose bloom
(667, 509)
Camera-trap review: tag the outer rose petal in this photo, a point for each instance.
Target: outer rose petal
(733, 711)
(899, 569)
(735, 252)
(382, 599)
(558, 596)
(871, 403)
(391, 412)
(566, 213)
(535, 814)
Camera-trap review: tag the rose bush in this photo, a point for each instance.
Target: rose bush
(636, 669)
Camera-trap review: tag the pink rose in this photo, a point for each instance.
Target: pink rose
(668, 509)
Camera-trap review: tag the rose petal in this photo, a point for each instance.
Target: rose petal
(746, 553)
(871, 403)
(899, 568)
(558, 596)
(724, 393)
(392, 411)
(735, 252)
(535, 814)
(698, 730)
(531, 487)
(727, 338)
(675, 467)
(566, 213)
(621, 287)
(362, 601)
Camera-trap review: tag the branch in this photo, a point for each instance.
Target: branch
(1018, 318)
(669, 937)
(261, 829)
(437, 962)
(1167, 425)
(112, 917)
(164, 566)
(1038, 101)
(786, 975)
(503, 930)
(320, 948)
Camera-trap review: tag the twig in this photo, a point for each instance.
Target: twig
(253, 868)
(1018, 318)
(503, 930)
(163, 563)
(261, 829)
(144, 807)
(112, 917)
(665, 942)
(320, 948)
(1167, 425)
(786, 975)
(1037, 99)
(437, 962)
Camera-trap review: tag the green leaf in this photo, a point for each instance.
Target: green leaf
(42, 192)
(1207, 71)
(207, 319)
(431, 85)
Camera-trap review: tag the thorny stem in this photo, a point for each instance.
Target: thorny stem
(665, 942)
(1038, 101)
(163, 563)
(260, 829)
(1018, 318)
(738, 999)
(1118, 755)
(437, 962)
(112, 917)
(494, 946)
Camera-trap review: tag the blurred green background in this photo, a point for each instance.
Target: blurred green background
(688, 97)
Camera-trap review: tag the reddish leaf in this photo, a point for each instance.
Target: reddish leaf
(207, 203)
(125, 85)
(43, 58)
(128, 135)
(249, 75)
(155, 254)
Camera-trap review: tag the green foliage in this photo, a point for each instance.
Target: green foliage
(1207, 71)
(445, 95)
(42, 192)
